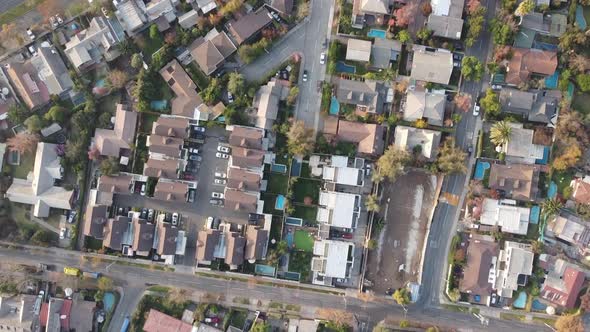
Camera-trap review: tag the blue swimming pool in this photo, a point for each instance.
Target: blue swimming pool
(278, 168)
(580, 19)
(289, 238)
(551, 81)
(535, 212)
(109, 301)
(520, 301)
(342, 67)
(295, 167)
(159, 105)
(280, 202)
(266, 270)
(538, 305)
(545, 160)
(292, 275)
(334, 106)
(292, 221)
(376, 33)
(480, 169)
(552, 191)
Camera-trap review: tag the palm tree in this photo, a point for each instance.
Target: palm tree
(372, 203)
(500, 132)
(550, 207)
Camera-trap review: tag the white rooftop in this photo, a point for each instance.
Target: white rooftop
(339, 209)
(334, 255)
(512, 219)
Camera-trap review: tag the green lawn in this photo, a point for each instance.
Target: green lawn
(269, 203)
(305, 170)
(489, 150)
(581, 102)
(108, 103)
(303, 240)
(151, 45)
(277, 183)
(308, 213)
(27, 160)
(306, 188)
(147, 121)
(533, 231)
(562, 179)
(300, 261)
(200, 79)
(238, 318)
(18, 11)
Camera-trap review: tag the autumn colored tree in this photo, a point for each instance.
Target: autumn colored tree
(463, 101)
(117, 79)
(426, 8)
(570, 126)
(372, 203)
(402, 296)
(93, 154)
(451, 159)
(525, 7)
(300, 140)
(579, 63)
(569, 323)
(420, 123)
(569, 158)
(405, 15)
(585, 301)
(23, 142)
(214, 19)
(170, 38)
(501, 53)
(391, 164)
(473, 6)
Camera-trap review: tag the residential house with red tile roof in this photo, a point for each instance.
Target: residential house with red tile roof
(187, 100)
(160, 322)
(117, 142)
(526, 62)
(210, 52)
(563, 284)
(368, 136)
(581, 190)
(171, 191)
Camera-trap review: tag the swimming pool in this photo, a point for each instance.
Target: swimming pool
(266, 270)
(580, 19)
(376, 33)
(292, 275)
(535, 212)
(552, 191)
(159, 105)
(295, 167)
(480, 169)
(342, 67)
(520, 301)
(538, 305)
(278, 168)
(289, 238)
(109, 301)
(280, 202)
(545, 160)
(294, 221)
(334, 106)
(551, 81)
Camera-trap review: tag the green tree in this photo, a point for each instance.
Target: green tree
(391, 164)
(213, 91)
(525, 7)
(235, 83)
(154, 32)
(136, 61)
(404, 37)
(56, 114)
(34, 123)
(293, 94)
(424, 34)
(300, 140)
(451, 159)
(372, 203)
(249, 53)
(109, 166)
(471, 68)
(572, 39)
(583, 81)
(490, 103)
(17, 113)
(475, 23)
(42, 237)
(454, 295)
(550, 207)
(500, 133)
(105, 283)
(402, 296)
(502, 33)
(260, 327)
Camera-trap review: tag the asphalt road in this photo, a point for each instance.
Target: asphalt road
(133, 280)
(5, 5)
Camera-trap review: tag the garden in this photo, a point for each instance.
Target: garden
(300, 262)
(303, 240)
(306, 191)
(277, 183)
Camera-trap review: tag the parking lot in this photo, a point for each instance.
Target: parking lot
(194, 215)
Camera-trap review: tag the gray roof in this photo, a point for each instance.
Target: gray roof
(206, 242)
(247, 26)
(383, 51)
(432, 64)
(188, 19)
(52, 70)
(235, 249)
(368, 93)
(539, 106)
(422, 104)
(94, 220)
(166, 239)
(113, 232)
(445, 26)
(143, 235)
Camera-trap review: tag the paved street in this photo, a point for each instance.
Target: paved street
(307, 39)
(8, 4)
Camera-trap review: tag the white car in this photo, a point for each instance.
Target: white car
(230, 97)
(30, 34)
(62, 233)
(142, 192)
(193, 150)
(175, 219)
(32, 50)
(223, 149)
(53, 22)
(59, 19)
(104, 12)
(221, 155)
(217, 195)
(199, 129)
(220, 175)
(476, 110)
(322, 58)
(220, 181)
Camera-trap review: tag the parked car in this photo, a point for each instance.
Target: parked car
(494, 298)
(62, 233)
(212, 320)
(150, 216)
(187, 176)
(32, 50)
(476, 109)
(142, 191)
(105, 12)
(469, 150)
(59, 19)
(221, 155)
(193, 150)
(53, 22)
(72, 217)
(223, 149)
(216, 202)
(323, 58)
(220, 175)
(144, 213)
(199, 129)
(220, 181)
(305, 76)
(175, 219)
(195, 157)
(230, 97)
(217, 195)
(30, 34)
(191, 196)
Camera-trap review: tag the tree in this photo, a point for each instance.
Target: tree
(136, 61)
(572, 39)
(454, 295)
(463, 101)
(23, 142)
(405, 15)
(372, 245)
(391, 164)
(473, 6)
(583, 81)
(300, 140)
(500, 133)
(451, 159)
(579, 63)
(550, 207)
(8, 31)
(537, 247)
(276, 253)
(423, 34)
(213, 91)
(302, 10)
(569, 323)
(585, 301)
(293, 94)
(475, 23)
(568, 158)
(420, 123)
(126, 46)
(177, 295)
(261, 327)
(56, 114)
(17, 113)
(235, 83)
(372, 203)
(471, 68)
(117, 79)
(426, 8)
(109, 166)
(402, 296)
(525, 7)
(501, 32)
(404, 37)
(154, 32)
(105, 284)
(42, 237)
(490, 103)
(34, 123)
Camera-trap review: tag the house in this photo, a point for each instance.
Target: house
(166, 238)
(368, 96)
(206, 5)
(186, 101)
(171, 127)
(515, 265)
(206, 242)
(506, 215)
(563, 283)
(368, 136)
(171, 191)
(56, 315)
(162, 147)
(537, 106)
(479, 273)
(266, 102)
(409, 137)
(369, 12)
(241, 179)
(424, 105)
(210, 52)
(445, 20)
(94, 219)
(338, 209)
(17, 313)
(117, 142)
(338, 170)
(256, 243)
(570, 229)
(143, 237)
(517, 181)
(235, 249)
(121, 184)
(26, 82)
(188, 19)
(39, 188)
(131, 17)
(520, 147)
(159, 322)
(332, 260)
(114, 231)
(241, 201)
(526, 62)
(163, 168)
(432, 64)
(553, 24)
(247, 158)
(247, 137)
(284, 7)
(358, 50)
(87, 47)
(52, 70)
(384, 51)
(161, 9)
(247, 27)
(581, 190)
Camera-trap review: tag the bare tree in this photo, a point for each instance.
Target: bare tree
(23, 142)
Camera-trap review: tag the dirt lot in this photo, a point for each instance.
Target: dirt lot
(406, 207)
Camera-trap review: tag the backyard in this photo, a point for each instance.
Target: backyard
(306, 191)
(562, 180)
(307, 213)
(300, 261)
(303, 240)
(277, 183)
(149, 45)
(26, 165)
(581, 102)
